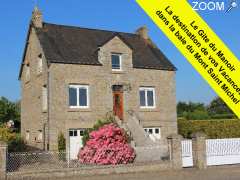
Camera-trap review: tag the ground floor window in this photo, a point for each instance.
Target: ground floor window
(27, 135)
(154, 132)
(40, 136)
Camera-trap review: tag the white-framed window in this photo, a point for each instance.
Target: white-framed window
(78, 96)
(39, 64)
(27, 72)
(153, 132)
(116, 60)
(40, 135)
(44, 98)
(27, 136)
(147, 97)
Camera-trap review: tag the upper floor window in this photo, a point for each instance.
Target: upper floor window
(147, 97)
(78, 96)
(39, 64)
(116, 62)
(27, 72)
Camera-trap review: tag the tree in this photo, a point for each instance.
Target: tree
(9, 110)
(183, 108)
(218, 106)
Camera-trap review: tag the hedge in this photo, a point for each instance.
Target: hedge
(214, 129)
(223, 116)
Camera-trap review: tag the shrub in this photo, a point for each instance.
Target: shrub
(196, 115)
(61, 142)
(214, 129)
(223, 116)
(14, 141)
(107, 145)
(17, 144)
(96, 126)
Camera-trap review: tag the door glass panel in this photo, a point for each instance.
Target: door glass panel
(117, 100)
(75, 133)
(81, 132)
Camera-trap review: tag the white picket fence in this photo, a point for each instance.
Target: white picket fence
(218, 152)
(223, 151)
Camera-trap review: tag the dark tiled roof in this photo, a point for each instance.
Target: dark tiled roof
(74, 45)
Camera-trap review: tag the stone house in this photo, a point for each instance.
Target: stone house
(71, 77)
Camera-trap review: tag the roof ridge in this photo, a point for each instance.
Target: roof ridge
(93, 29)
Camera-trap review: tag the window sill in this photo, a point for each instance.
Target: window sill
(148, 110)
(79, 110)
(44, 111)
(118, 72)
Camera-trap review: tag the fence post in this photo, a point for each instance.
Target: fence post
(3, 160)
(175, 150)
(199, 150)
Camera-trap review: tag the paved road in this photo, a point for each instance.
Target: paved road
(216, 173)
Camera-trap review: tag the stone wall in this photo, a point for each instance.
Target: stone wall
(3, 159)
(33, 119)
(100, 80)
(93, 170)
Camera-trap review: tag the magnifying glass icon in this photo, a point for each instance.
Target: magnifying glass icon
(232, 5)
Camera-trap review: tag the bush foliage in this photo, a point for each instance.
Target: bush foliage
(107, 145)
(214, 129)
(216, 109)
(97, 125)
(61, 142)
(14, 140)
(9, 111)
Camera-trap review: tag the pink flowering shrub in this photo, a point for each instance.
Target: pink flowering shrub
(107, 145)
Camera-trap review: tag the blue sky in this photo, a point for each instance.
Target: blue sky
(119, 15)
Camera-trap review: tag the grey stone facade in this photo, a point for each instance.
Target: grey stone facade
(100, 79)
(3, 159)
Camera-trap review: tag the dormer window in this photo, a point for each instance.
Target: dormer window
(39, 64)
(116, 62)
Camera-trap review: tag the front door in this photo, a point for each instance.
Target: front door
(118, 102)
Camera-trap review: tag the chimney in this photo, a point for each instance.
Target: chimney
(143, 32)
(37, 18)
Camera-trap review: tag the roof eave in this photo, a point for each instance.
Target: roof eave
(25, 51)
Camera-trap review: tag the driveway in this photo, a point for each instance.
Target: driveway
(213, 173)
